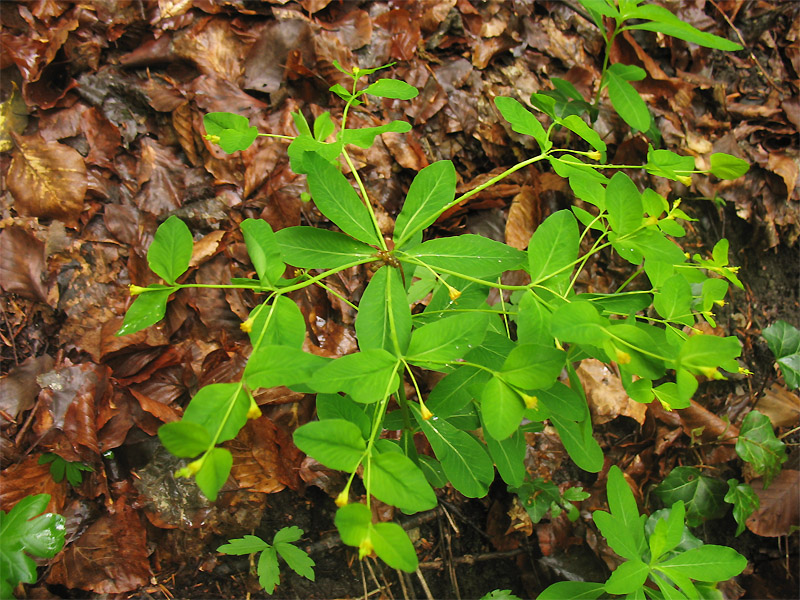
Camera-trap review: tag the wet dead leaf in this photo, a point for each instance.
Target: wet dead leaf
(109, 558)
(18, 389)
(779, 512)
(260, 462)
(27, 478)
(780, 405)
(606, 397)
(788, 168)
(22, 265)
(214, 47)
(47, 179)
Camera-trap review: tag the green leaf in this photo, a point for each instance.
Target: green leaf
(577, 438)
(334, 406)
(232, 132)
(674, 300)
(745, 501)
(564, 401)
(662, 20)
(624, 97)
(219, 407)
(702, 354)
(574, 590)
(384, 316)
(553, 250)
(523, 121)
(509, 457)
(501, 409)
(287, 535)
(392, 545)
(393, 478)
(579, 322)
(392, 88)
(337, 200)
(243, 545)
(214, 472)
(454, 391)
(367, 376)
(268, 570)
(23, 531)
(532, 366)
(298, 560)
(624, 204)
(148, 309)
(758, 446)
(364, 137)
(335, 443)
(706, 563)
(433, 188)
(263, 250)
(668, 531)
(602, 7)
(533, 320)
(323, 127)
(280, 323)
(447, 339)
(433, 471)
(171, 250)
(665, 163)
(470, 254)
(702, 496)
(312, 248)
(784, 342)
(184, 438)
(353, 522)
(304, 146)
(623, 507)
(628, 577)
(577, 125)
(464, 460)
(726, 166)
(273, 365)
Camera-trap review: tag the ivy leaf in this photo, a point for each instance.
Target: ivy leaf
(745, 502)
(171, 250)
(23, 533)
(702, 496)
(784, 341)
(232, 132)
(758, 446)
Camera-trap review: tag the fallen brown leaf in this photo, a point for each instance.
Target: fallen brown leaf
(779, 512)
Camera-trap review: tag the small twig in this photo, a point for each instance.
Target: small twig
(11, 334)
(364, 579)
(424, 583)
(471, 559)
(744, 45)
(402, 578)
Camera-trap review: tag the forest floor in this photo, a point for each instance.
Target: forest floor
(107, 99)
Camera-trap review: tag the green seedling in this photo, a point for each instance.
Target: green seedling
(282, 545)
(539, 496)
(60, 468)
(659, 551)
(26, 532)
(499, 365)
(784, 342)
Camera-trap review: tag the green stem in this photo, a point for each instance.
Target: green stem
(364, 198)
(403, 257)
(633, 276)
(328, 273)
(276, 135)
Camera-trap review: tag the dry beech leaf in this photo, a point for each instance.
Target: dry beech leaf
(27, 478)
(780, 405)
(22, 264)
(523, 216)
(260, 464)
(47, 179)
(788, 169)
(604, 392)
(109, 558)
(18, 389)
(779, 512)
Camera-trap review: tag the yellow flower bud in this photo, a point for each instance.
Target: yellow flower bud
(136, 289)
(247, 326)
(254, 411)
(426, 413)
(454, 293)
(191, 469)
(214, 139)
(650, 221)
(711, 372)
(364, 548)
(594, 155)
(685, 179)
(343, 498)
(623, 358)
(530, 401)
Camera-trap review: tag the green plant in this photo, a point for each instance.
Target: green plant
(501, 363)
(784, 342)
(659, 549)
(60, 467)
(26, 532)
(539, 496)
(282, 545)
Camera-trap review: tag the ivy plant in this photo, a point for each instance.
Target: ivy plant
(500, 364)
(26, 532)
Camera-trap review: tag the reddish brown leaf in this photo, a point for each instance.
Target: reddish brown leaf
(780, 405)
(403, 33)
(18, 389)
(22, 265)
(29, 478)
(523, 217)
(354, 29)
(109, 558)
(47, 179)
(604, 392)
(264, 66)
(779, 512)
(213, 46)
(259, 463)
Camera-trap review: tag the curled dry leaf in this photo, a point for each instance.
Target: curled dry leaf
(779, 512)
(780, 405)
(523, 216)
(605, 394)
(47, 179)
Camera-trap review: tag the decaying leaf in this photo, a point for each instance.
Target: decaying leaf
(13, 117)
(779, 513)
(22, 265)
(605, 394)
(47, 179)
(780, 405)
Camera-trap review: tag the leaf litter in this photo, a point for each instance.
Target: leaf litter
(111, 146)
